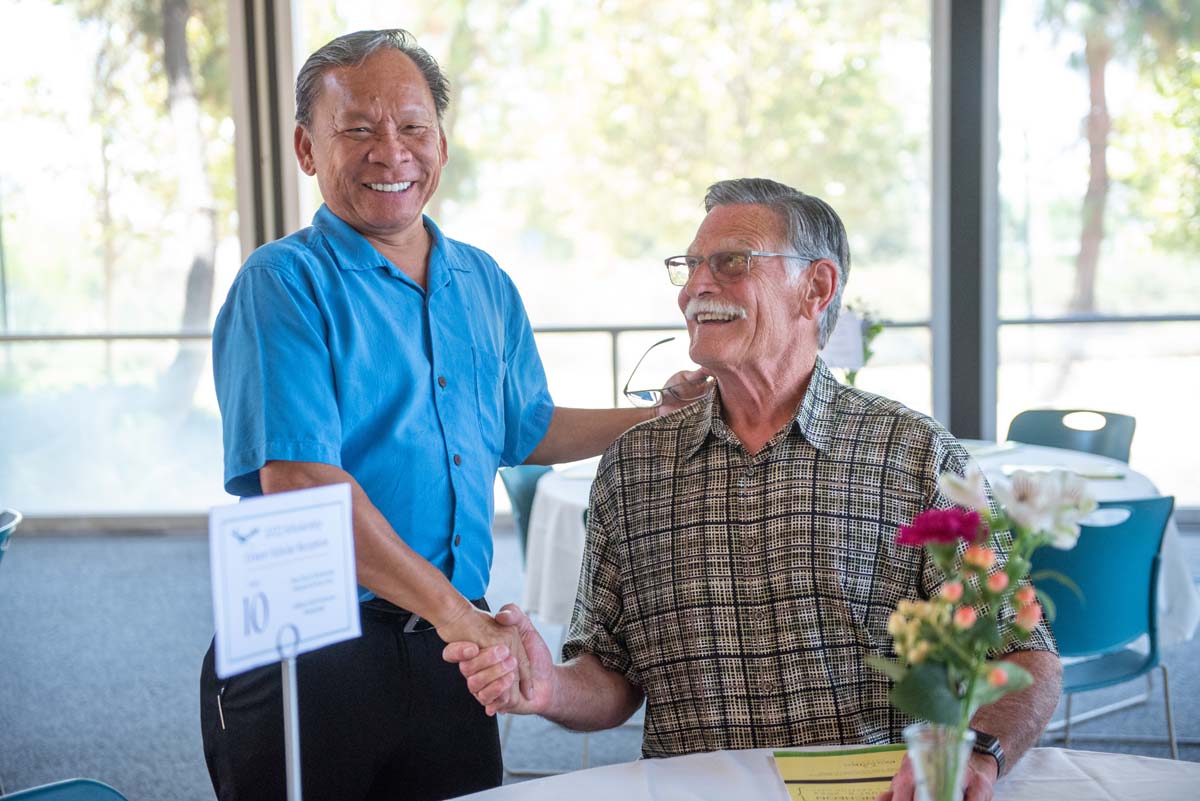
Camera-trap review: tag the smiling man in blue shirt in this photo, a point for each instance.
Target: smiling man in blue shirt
(372, 349)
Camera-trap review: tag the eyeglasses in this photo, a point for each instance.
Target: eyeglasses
(686, 391)
(726, 266)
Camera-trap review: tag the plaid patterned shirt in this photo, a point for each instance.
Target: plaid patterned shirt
(743, 593)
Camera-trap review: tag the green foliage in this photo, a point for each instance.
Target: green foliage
(871, 328)
(927, 692)
(111, 256)
(1018, 679)
(1161, 40)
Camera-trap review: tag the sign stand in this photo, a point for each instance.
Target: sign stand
(283, 563)
(291, 711)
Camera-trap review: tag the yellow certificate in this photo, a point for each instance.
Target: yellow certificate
(852, 774)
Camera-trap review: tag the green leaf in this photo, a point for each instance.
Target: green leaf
(1018, 679)
(926, 693)
(987, 632)
(1054, 575)
(893, 670)
(1048, 609)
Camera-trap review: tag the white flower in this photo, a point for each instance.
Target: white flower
(968, 490)
(1050, 504)
(1074, 503)
(1029, 499)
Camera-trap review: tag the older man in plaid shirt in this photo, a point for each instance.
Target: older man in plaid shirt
(741, 562)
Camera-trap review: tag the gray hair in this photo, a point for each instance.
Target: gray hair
(813, 228)
(352, 50)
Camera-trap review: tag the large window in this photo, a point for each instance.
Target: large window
(1100, 226)
(582, 137)
(117, 233)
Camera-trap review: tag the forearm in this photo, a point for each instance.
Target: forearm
(386, 565)
(1019, 718)
(581, 433)
(586, 696)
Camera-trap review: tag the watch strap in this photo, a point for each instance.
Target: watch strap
(989, 744)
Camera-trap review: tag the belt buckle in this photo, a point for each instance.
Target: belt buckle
(414, 620)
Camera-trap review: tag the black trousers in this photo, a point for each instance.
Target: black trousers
(381, 717)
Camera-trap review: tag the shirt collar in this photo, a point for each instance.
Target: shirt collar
(814, 417)
(354, 252)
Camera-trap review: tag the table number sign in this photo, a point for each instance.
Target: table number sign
(283, 576)
(845, 346)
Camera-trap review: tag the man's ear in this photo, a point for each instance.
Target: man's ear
(303, 143)
(819, 290)
(445, 147)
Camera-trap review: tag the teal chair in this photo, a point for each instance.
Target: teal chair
(9, 520)
(520, 483)
(1047, 427)
(1115, 568)
(69, 790)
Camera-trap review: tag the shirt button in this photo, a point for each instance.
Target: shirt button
(441, 380)
(457, 459)
(457, 539)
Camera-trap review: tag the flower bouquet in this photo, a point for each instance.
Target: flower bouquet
(944, 671)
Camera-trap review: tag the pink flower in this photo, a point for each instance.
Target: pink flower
(1026, 595)
(997, 582)
(997, 677)
(952, 591)
(939, 526)
(1028, 616)
(964, 617)
(979, 557)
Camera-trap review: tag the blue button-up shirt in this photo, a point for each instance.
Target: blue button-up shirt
(325, 352)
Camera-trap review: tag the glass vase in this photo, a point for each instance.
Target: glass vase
(939, 756)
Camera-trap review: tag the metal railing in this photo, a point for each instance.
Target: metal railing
(614, 333)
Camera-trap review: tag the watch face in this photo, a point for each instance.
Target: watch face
(985, 741)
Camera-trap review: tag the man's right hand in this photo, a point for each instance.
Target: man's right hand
(486, 634)
(489, 670)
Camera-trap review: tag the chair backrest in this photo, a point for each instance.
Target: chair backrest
(9, 520)
(1115, 568)
(521, 482)
(1046, 427)
(69, 790)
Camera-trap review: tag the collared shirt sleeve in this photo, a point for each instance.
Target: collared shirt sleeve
(597, 621)
(528, 406)
(273, 377)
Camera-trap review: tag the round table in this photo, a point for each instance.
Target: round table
(556, 534)
(554, 542)
(1057, 773)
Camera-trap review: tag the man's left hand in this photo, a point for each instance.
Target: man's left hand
(977, 783)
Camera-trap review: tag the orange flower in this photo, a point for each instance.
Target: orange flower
(1029, 615)
(997, 582)
(964, 617)
(997, 677)
(1026, 595)
(952, 591)
(979, 557)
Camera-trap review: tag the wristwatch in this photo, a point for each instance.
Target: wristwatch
(989, 744)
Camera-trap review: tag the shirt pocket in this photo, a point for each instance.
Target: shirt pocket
(490, 371)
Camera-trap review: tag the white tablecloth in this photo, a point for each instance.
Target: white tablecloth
(1044, 773)
(556, 532)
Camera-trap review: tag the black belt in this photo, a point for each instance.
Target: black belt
(413, 623)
